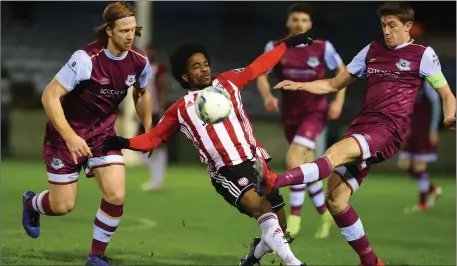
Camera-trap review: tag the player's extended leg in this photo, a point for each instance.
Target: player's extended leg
(296, 155)
(348, 221)
(59, 199)
(111, 180)
(273, 238)
(345, 151)
(156, 165)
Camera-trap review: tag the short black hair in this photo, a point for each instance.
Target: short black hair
(300, 7)
(402, 10)
(178, 60)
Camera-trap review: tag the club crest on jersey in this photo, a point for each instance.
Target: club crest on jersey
(130, 80)
(403, 65)
(243, 181)
(313, 61)
(56, 163)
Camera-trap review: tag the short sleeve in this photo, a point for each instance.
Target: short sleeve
(268, 48)
(430, 69)
(430, 64)
(145, 75)
(331, 57)
(77, 69)
(358, 66)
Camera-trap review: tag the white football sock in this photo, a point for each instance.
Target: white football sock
(261, 249)
(273, 236)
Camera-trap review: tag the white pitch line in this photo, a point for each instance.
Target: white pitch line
(143, 224)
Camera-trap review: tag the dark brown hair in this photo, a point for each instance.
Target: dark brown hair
(112, 13)
(402, 10)
(299, 7)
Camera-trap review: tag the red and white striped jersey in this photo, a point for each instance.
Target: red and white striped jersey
(227, 143)
(230, 142)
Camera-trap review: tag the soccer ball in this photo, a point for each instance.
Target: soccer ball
(213, 105)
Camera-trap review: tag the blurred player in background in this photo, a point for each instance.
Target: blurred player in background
(420, 146)
(229, 148)
(82, 106)
(395, 70)
(157, 85)
(304, 114)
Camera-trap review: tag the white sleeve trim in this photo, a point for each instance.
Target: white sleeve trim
(358, 66)
(77, 69)
(269, 46)
(331, 57)
(145, 75)
(430, 64)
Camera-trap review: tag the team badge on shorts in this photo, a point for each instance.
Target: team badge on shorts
(56, 163)
(243, 181)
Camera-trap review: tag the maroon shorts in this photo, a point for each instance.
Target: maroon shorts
(376, 142)
(417, 145)
(62, 169)
(306, 130)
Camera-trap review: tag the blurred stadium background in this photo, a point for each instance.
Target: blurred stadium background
(37, 38)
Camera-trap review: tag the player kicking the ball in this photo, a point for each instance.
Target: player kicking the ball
(304, 114)
(82, 106)
(395, 69)
(229, 148)
(420, 146)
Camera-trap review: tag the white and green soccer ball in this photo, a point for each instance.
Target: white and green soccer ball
(213, 105)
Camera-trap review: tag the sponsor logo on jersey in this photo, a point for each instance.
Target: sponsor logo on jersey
(403, 65)
(243, 181)
(436, 61)
(111, 93)
(313, 61)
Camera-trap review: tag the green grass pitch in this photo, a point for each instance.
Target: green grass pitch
(188, 223)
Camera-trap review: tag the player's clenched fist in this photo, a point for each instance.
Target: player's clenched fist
(77, 147)
(287, 85)
(450, 123)
(115, 143)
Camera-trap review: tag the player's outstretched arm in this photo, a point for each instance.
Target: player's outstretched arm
(150, 140)
(323, 86)
(265, 62)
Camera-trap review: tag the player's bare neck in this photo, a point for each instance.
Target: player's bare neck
(113, 50)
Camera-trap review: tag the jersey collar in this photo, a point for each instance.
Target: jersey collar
(111, 56)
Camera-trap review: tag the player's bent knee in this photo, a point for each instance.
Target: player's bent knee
(403, 164)
(255, 205)
(418, 167)
(296, 155)
(338, 199)
(114, 197)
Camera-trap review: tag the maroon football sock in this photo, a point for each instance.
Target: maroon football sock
(106, 222)
(352, 229)
(306, 173)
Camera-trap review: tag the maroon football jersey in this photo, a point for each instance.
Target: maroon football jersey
(305, 63)
(394, 77)
(97, 82)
